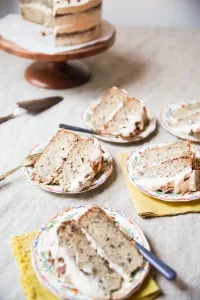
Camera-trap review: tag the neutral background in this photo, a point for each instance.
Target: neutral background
(179, 13)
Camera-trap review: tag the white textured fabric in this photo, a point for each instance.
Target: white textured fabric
(155, 65)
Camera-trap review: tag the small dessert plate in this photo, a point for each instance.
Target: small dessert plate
(130, 169)
(99, 179)
(114, 139)
(166, 118)
(47, 275)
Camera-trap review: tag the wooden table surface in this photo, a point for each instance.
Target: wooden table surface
(153, 64)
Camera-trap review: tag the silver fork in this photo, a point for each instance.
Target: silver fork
(27, 162)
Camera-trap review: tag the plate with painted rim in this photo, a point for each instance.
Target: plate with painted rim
(130, 166)
(57, 284)
(150, 128)
(166, 118)
(100, 178)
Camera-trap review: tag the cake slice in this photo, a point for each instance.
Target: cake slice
(153, 156)
(53, 155)
(110, 243)
(66, 36)
(186, 110)
(129, 120)
(188, 124)
(38, 11)
(86, 270)
(173, 175)
(107, 108)
(81, 165)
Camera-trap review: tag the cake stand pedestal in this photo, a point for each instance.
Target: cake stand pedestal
(57, 71)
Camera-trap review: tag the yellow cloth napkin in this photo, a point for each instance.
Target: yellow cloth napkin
(150, 207)
(32, 288)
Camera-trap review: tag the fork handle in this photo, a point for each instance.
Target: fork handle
(2, 177)
(6, 118)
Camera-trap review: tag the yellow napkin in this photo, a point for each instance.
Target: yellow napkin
(150, 207)
(34, 291)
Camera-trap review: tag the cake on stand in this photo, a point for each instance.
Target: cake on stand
(57, 71)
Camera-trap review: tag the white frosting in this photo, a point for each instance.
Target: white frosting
(190, 128)
(101, 253)
(130, 126)
(66, 3)
(183, 182)
(81, 181)
(87, 285)
(96, 154)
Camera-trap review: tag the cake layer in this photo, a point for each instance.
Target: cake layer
(174, 175)
(107, 108)
(129, 120)
(73, 6)
(188, 125)
(52, 157)
(37, 12)
(157, 155)
(81, 165)
(84, 20)
(88, 272)
(65, 38)
(186, 110)
(110, 242)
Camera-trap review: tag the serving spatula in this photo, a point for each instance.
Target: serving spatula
(32, 106)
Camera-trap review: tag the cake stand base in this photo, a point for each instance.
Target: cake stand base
(57, 75)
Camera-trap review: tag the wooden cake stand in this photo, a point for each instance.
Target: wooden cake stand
(54, 71)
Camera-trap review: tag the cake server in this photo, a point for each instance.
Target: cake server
(32, 106)
(157, 263)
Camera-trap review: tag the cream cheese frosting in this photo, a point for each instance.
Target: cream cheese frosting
(73, 20)
(181, 183)
(87, 285)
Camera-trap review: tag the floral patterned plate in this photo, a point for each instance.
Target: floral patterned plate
(130, 168)
(99, 179)
(148, 130)
(57, 284)
(166, 118)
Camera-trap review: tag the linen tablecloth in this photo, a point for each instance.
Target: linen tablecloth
(156, 65)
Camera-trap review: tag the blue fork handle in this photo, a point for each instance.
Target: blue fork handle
(75, 128)
(157, 263)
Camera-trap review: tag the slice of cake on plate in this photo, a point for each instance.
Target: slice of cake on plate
(93, 255)
(110, 242)
(119, 115)
(74, 21)
(129, 120)
(186, 119)
(69, 161)
(170, 168)
(188, 125)
(81, 264)
(80, 166)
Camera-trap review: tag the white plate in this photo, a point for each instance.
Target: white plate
(99, 179)
(166, 121)
(57, 285)
(130, 166)
(148, 130)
